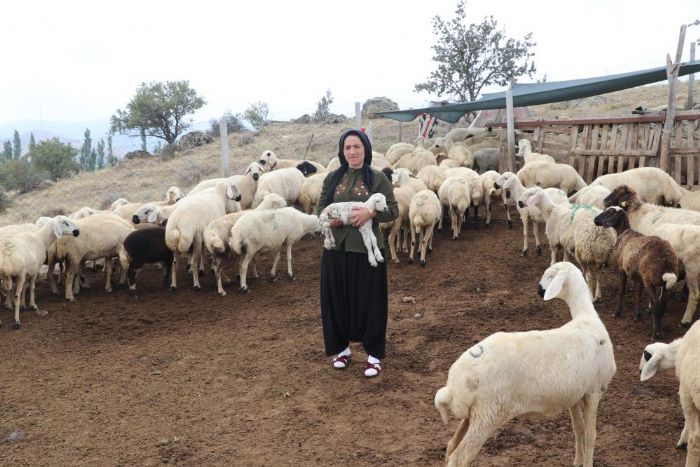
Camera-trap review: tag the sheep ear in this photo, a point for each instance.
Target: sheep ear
(229, 192)
(152, 216)
(57, 229)
(650, 367)
(531, 200)
(554, 287)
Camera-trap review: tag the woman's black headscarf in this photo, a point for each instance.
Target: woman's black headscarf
(367, 176)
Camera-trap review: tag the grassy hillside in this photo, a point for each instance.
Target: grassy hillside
(148, 179)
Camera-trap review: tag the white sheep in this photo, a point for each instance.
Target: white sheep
(685, 241)
(514, 189)
(403, 196)
(432, 176)
(488, 181)
(126, 211)
(185, 228)
(525, 151)
(247, 184)
(310, 193)
(570, 227)
(548, 175)
(118, 202)
(424, 213)
(690, 199)
(284, 182)
(404, 177)
(398, 150)
(682, 354)
(461, 154)
(152, 214)
(218, 233)
(592, 194)
(416, 160)
(508, 375)
(476, 191)
(454, 195)
(101, 236)
(24, 253)
(270, 162)
(449, 164)
(269, 230)
(342, 211)
(653, 185)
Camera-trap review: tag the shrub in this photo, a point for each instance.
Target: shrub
(256, 114)
(55, 158)
(4, 200)
(21, 175)
(246, 138)
(233, 124)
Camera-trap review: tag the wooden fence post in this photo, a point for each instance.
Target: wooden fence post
(672, 74)
(223, 132)
(510, 128)
(691, 81)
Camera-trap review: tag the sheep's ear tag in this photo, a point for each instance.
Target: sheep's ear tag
(623, 204)
(57, 229)
(152, 216)
(554, 287)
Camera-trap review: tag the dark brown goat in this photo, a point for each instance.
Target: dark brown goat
(646, 259)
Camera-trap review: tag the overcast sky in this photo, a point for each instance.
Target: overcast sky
(80, 61)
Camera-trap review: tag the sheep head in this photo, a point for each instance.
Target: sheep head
(623, 196)
(614, 217)
(268, 159)
(657, 356)
(173, 195)
(255, 169)
(555, 280)
(64, 225)
(531, 196)
(377, 202)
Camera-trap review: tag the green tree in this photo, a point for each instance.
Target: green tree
(92, 161)
(474, 56)
(17, 148)
(111, 160)
(256, 114)
(233, 123)
(322, 111)
(21, 175)
(7, 151)
(56, 158)
(101, 155)
(32, 142)
(85, 149)
(158, 109)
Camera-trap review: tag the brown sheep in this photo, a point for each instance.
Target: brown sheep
(646, 259)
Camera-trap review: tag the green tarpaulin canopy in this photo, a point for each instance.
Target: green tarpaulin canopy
(544, 93)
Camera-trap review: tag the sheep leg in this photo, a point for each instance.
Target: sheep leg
(18, 292)
(690, 417)
(620, 295)
(637, 299)
(524, 219)
(216, 265)
(659, 308)
(243, 270)
(425, 240)
(413, 244)
(393, 234)
(538, 245)
(505, 205)
(273, 271)
(453, 222)
(70, 278)
(32, 297)
(368, 245)
(590, 411)
(456, 438)
(693, 456)
(487, 201)
(442, 214)
(476, 216)
(167, 267)
(691, 279)
(475, 437)
(579, 431)
(51, 277)
(432, 231)
(290, 273)
(173, 272)
(196, 261)
(108, 274)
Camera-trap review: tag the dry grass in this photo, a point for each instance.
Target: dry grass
(148, 179)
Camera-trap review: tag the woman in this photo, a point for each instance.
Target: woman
(354, 296)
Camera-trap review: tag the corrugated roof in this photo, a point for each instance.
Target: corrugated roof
(543, 93)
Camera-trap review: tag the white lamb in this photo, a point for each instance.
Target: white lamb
(284, 182)
(508, 375)
(247, 184)
(652, 184)
(488, 181)
(432, 176)
(514, 189)
(342, 211)
(476, 191)
(525, 151)
(269, 230)
(423, 214)
(548, 175)
(23, 255)
(682, 354)
(185, 228)
(404, 177)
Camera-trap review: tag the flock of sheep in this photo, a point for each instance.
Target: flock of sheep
(618, 218)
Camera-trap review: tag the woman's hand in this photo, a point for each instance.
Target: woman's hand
(360, 215)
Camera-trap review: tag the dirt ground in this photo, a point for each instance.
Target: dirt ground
(191, 378)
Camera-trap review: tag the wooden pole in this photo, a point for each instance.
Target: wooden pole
(672, 74)
(510, 129)
(308, 145)
(223, 132)
(358, 116)
(691, 81)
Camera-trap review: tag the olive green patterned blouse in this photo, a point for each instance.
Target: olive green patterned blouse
(352, 188)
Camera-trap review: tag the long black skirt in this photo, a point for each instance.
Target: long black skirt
(354, 302)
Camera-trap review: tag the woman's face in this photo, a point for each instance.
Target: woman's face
(354, 151)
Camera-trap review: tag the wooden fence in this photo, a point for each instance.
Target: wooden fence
(597, 146)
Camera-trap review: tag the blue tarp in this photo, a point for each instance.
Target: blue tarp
(544, 93)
